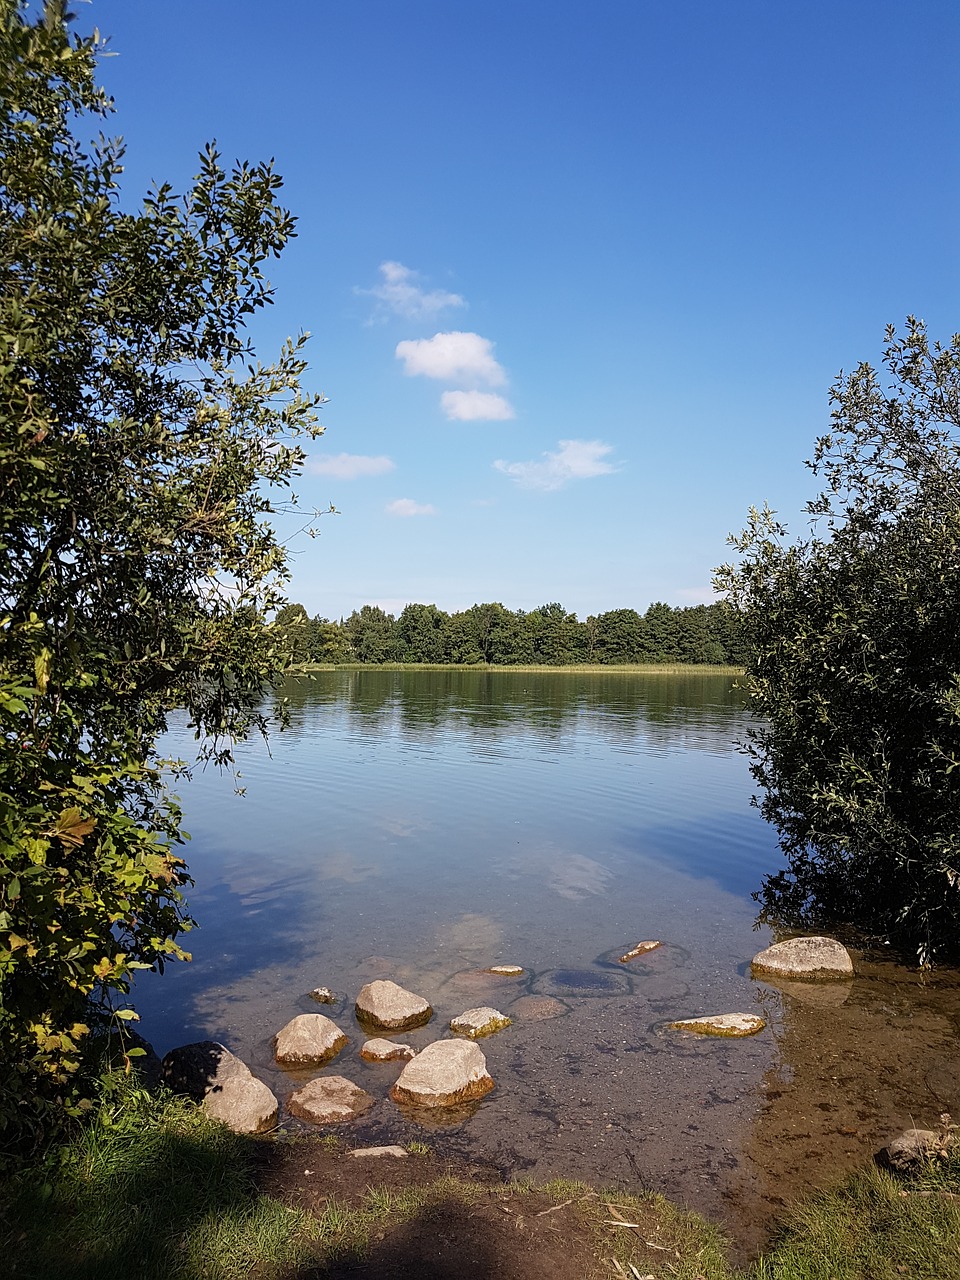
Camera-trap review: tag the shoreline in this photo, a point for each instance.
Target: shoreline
(581, 668)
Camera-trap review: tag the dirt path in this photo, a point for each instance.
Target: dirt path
(448, 1219)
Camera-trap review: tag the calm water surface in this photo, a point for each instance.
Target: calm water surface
(425, 825)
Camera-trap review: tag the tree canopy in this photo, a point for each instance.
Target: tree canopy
(143, 454)
(855, 666)
(490, 633)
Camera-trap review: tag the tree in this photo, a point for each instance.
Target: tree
(370, 632)
(619, 636)
(556, 637)
(855, 664)
(293, 633)
(420, 633)
(328, 642)
(661, 633)
(140, 446)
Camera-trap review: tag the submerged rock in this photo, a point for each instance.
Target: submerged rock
(722, 1024)
(445, 1074)
(329, 1100)
(377, 1050)
(640, 949)
(226, 1087)
(538, 1008)
(505, 970)
(479, 1022)
(323, 995)
(805, 959)
(388, 1007)
(309, 1040)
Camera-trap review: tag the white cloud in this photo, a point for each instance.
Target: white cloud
(349, 466)
(452, 357)
(476, 406)
(574, 460)
(407, 507)
(399, 294)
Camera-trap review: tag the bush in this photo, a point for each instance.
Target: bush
(855, 667)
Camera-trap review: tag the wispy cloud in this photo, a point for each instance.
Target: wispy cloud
(400, 294)
(452, 357)
(407, 507)
(476, 406)
(573, 460)
(349, 466)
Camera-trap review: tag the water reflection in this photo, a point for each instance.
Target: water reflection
(424, 826)
(669, 708)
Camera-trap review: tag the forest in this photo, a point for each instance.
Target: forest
(490, 633)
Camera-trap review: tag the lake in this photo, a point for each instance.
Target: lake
(422, 826)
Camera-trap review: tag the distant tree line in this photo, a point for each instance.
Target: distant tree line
(490, 633)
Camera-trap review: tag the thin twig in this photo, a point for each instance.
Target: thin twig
(554, 1207)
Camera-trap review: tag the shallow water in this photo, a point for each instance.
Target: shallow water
(423, 826)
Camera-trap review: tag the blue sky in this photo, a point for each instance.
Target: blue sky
(578, 277)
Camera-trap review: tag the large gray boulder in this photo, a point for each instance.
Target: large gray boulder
(445, 1074)
(385, 1006)
(309, 1040)
(225, 1087)
(329, 1100)
(804, 959)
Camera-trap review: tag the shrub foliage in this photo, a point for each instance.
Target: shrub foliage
(855, 667)
(140, 444)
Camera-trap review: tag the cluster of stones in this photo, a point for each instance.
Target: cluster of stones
(446, 1073)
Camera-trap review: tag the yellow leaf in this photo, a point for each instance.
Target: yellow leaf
(41, 667)
(72, 827)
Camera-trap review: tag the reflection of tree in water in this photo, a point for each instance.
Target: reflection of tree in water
(671, 710)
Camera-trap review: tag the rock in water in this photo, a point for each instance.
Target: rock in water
(640, 949)
(227, 1089)
(479, 1022)
(378, 1050)
(505, 970)
(323, 995)
(722, 1024)
(445, 1074)
(309, 1040)
(807, 959)
(388, 1007)
(329, 1100)
(538, 1008)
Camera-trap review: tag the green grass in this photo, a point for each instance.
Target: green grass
(873, 1227)
(153, 1189)
(150, 1188)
